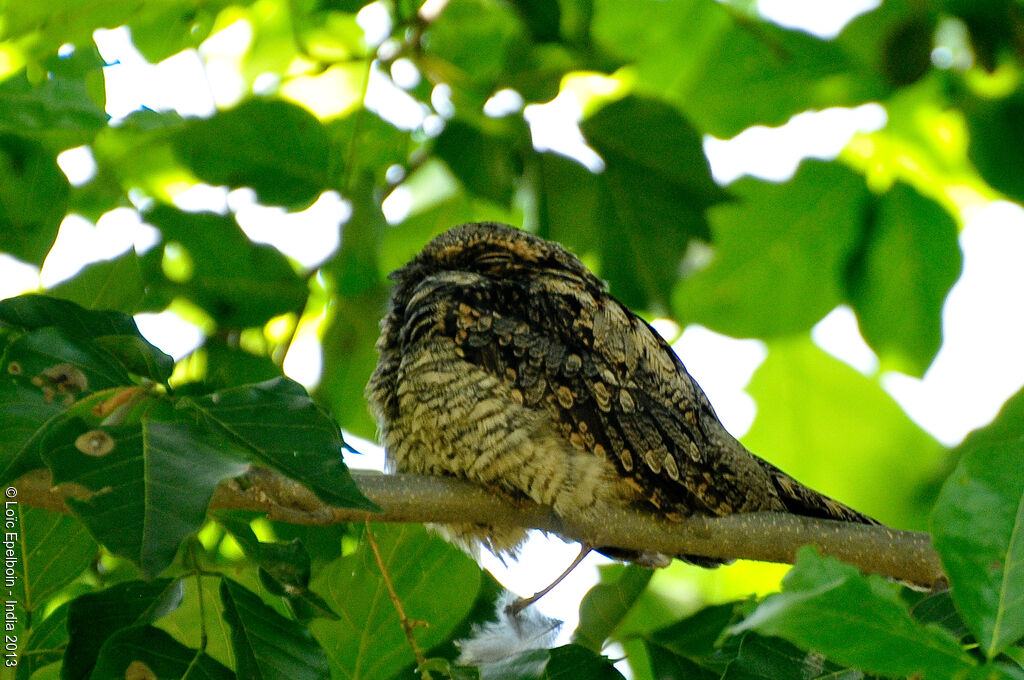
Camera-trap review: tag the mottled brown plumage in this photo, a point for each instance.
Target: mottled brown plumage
(504, 361)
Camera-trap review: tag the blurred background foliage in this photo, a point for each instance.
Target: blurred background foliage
(457, 139)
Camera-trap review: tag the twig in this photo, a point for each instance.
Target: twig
(770, 537)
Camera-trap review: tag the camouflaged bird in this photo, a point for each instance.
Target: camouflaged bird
(504, 361)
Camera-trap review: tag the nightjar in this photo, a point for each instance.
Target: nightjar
(504, 361)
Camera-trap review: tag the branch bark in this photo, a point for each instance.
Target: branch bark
(769, 537)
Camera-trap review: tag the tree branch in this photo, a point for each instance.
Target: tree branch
(770, 537)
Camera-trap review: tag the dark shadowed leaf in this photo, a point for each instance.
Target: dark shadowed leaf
(638, 214)
(765, 658)
(266, 644)
(95, 617)
(33, 199)
(131, 651)
(978, 529)
(435, 581)
(569, 662)
(901, 274)
(279, 149)
(486, 164)
(856, 620)
(990, 123)
(780, 254)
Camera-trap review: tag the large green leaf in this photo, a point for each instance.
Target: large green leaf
(435, 582)
(149, 483)
(780, 254)
(978, 529)
(278, 148)
(95, 617)
(238, 282)
(691, 642)
(900, 276)
(33, 199)
(278, 424)
(856, 620)
(54, 550)
(839, 432)
(267, 645)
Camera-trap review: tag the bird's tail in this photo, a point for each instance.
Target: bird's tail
(802, 500)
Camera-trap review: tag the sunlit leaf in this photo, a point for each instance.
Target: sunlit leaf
(780, 253)
(33, 199)
(978, 529)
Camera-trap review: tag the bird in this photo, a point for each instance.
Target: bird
(503, 360)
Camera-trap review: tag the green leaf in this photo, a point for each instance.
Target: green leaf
(901, 275)
(691, 642)
(115, 284)
(45, 642)
(780, 254)
(855, 620)
(990, 123)
(280, 426)
(812, 416)
(978, 530)
(476, 59)
(129, 652)
(149, 483)
(115, 332)
(560, 663)
(765, 658)
(485, 163)
(64, 107)
(278, 148)
(637, 215)
(606, 605)
(435, 582)
(727, 71)
(267, 645)
(33, 199)
(54, 550)
(239, 283)
(95, 617)
(184, 622)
